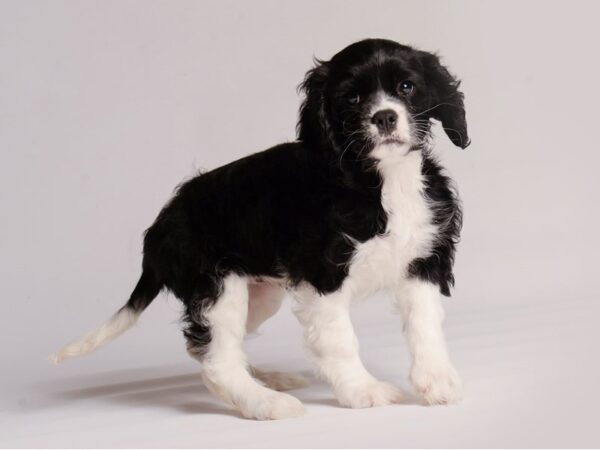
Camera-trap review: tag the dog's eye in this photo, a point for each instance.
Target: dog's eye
(406, 87)
(353, 99)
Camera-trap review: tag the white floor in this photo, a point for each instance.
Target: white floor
(531, 376)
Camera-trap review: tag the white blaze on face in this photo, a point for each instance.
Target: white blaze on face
(399, 141)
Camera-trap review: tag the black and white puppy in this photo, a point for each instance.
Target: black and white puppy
(356, 204)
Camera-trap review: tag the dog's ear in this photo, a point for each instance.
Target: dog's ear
(313, 127)
(446, 101)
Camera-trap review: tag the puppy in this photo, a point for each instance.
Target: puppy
(356, 204)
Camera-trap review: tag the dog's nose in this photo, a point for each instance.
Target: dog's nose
(385, 120)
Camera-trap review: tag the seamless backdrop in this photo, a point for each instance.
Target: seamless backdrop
(105, 106)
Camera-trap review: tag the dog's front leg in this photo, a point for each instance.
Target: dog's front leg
(334, 347)
(432, 374)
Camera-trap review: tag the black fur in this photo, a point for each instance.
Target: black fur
(447, 215)
(297, 210)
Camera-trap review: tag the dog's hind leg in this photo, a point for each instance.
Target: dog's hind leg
(265, 299)
(215, 337)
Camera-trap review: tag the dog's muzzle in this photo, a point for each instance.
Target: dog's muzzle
(385, 121)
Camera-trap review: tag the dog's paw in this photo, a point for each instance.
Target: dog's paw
(368, 394)
(272, 407)
(280, 381)
(436, 383)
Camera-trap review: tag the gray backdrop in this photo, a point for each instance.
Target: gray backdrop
(105, 106)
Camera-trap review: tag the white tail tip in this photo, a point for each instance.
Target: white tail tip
(118, 324)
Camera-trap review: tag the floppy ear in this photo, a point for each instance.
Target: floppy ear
(313, 127)
(446, 101)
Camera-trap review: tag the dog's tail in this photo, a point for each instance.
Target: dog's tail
(145, 291)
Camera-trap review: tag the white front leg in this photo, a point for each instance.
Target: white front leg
(330, 338)
(432, 374)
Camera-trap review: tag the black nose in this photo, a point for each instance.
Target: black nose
(385, 120)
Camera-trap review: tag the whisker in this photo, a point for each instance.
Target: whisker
(433, 107)
(344, 151)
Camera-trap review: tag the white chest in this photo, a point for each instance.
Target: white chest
(383, 261)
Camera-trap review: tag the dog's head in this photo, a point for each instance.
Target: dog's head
(376, 98)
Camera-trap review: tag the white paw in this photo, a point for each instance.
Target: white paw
(272, 407)
(372, 393)
(280, 381)
(437, 384)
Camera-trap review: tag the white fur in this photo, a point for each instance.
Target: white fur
(265, 298)
(225, 369)
(432, 374)
(118, 324)
(334, 348)
(382, 262)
